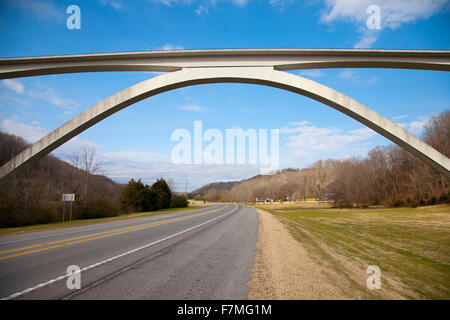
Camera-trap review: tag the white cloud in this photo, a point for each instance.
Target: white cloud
(33, 133)
(193, 108)
(355, 77)
(367, 40)
(348, 75)
(393, 14)
(400, 117)
(122, 165)
(240, 3)
(14, 85)
(305, 136)
(54, 97)
(201, 10)
(169, 46)
(415, 126)
(116, 4)
(418, 125)
(312, 73)
(39, 9)
(203, 6)
(27, 132)
(307, 143)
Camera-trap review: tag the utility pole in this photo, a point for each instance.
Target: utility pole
(318, 190)
(186, 186)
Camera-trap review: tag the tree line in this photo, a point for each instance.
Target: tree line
(137, 197)
(387, 176)
(33, 195)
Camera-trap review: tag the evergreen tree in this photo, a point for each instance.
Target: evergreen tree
(131, 199)
(178, 201)
(163, 193)
(137, 197)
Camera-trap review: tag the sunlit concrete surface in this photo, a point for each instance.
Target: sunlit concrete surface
(255, 75)
(279, 59)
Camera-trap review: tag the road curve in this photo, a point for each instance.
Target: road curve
(200, 254)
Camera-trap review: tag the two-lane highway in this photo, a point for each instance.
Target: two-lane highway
(199, 254)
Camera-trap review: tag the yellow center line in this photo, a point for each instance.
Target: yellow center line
(99, 235)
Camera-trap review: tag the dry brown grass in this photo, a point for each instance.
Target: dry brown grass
(283, 268)
(292, 205)
(411, 246)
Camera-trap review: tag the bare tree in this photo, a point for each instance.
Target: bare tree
(85, 160)
(171, 184)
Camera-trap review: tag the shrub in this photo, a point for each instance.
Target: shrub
(132, 196)
(163, 193)
(178, 201)
(432, 201)
(397, 203)
(98, 209)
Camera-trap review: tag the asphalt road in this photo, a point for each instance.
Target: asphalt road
(200, 254)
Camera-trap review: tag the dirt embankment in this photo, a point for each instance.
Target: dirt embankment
(283, 269)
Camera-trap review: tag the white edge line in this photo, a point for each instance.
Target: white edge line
(149, 219)
(17, 294)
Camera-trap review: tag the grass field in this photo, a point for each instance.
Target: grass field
(410, 245)
(83, 222)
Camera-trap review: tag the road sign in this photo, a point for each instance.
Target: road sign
(67, 197)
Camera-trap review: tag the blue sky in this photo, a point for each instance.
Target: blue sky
(136, 141)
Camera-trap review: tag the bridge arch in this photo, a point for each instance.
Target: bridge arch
(267, 76)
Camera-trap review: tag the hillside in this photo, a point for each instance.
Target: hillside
(387, 176)
(34, 194)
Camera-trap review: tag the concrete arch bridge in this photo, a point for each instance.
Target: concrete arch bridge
(255, 66)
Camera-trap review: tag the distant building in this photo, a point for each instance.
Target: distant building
(264, 200)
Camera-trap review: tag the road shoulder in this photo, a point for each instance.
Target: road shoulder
(283, 268)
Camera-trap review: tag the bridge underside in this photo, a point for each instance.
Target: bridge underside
(279, 59)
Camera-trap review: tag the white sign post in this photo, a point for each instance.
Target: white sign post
(67, 197)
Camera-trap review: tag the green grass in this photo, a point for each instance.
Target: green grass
(410, 245)
(83, 222)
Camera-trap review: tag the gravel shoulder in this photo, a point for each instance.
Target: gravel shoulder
(283, 268)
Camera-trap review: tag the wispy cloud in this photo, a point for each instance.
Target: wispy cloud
(355, 77)
(419, 124)
(368, 38)
(14, 85)
(203, 6)
(122, 165)
(39, 9)
(400, 117)
(307, 143)
(312, 73)
(170, 46)
(116, 4)
(415, 126)
(393, 14)
(306, 136)
(202, 10)
(54, 97)
(193, 108)
(27, 132)
(171, 2)
(348, 75)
